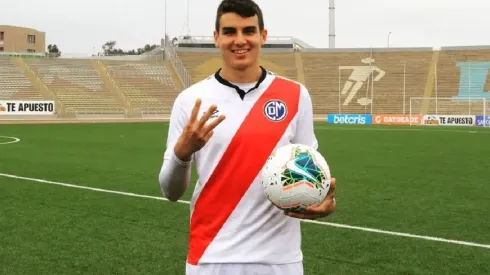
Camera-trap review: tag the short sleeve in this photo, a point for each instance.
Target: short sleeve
(305, 133)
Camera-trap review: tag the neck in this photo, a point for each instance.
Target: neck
(251, 74)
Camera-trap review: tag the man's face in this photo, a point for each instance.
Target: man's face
(239, 40)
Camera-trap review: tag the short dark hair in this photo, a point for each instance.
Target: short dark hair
(244, 8)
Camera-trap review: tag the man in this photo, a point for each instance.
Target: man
(225, 125)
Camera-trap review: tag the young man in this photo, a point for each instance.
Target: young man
(228, 124)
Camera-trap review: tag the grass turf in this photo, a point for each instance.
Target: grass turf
(427, 181)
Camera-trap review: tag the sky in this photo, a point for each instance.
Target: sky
(82, 27)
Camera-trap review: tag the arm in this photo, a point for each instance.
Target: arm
(175, 174)
(186, 136)
(305, 133)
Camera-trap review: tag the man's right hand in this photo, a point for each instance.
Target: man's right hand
(196, 133)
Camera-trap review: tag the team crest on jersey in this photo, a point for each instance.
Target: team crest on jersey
(275, 110)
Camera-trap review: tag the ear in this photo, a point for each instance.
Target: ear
(263, 37)
(216, 36)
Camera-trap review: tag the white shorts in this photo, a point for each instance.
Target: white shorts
(245, 269)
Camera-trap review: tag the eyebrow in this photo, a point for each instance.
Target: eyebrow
(233, 29)
(250, 28)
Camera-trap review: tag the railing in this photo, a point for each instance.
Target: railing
(71, 70)
(207, 38)
(46, 90)
(40, 84)
(137, 72)
(154, 113)
(178, 66)
(113, 83)
(97, 111)
(10, 71)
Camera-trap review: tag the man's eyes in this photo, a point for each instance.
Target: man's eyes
(233, 31)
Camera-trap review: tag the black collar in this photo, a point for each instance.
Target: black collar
(240, 92)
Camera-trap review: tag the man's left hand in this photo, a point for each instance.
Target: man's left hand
(327, 207)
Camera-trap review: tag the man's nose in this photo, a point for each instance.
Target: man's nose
(240, 39)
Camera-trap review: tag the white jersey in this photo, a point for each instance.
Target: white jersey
(231, 219)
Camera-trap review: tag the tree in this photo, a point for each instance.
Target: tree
(110, 49)
(146, 48)
(53, 51)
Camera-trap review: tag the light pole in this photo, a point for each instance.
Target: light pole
(389, 34)
(165, 18)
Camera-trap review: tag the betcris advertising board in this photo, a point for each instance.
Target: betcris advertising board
(480, 122)
(350, 119)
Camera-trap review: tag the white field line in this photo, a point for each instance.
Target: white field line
(12, 140)
(372, 230)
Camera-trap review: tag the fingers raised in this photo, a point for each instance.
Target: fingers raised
(210, 127)
(206, 116)
(195, 110)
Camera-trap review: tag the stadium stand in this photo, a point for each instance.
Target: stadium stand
(77, 85)
(461, 74)
(146, 85)
(14, 84)
(202, 63)
(364, 81)
(326, 73)
(356, 81)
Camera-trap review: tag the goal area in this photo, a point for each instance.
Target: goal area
(451, 111)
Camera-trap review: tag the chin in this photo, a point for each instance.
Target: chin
(241, 66)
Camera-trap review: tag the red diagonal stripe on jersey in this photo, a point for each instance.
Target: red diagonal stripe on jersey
(241, 163)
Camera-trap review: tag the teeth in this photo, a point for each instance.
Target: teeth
(241, 51)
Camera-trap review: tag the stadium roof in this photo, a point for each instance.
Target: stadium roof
(270, 40)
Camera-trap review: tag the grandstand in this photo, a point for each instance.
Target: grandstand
(462, 73)
(149, 86)
(13, 83)
(365, 81)
(76, 84)
(355, 81)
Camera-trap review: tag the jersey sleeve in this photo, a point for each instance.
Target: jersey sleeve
(305, 133)
(174, 176)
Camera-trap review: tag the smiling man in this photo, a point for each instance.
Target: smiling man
(229, 124)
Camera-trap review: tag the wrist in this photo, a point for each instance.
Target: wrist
(182, 155)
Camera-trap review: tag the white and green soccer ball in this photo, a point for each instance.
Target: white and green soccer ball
(296, 176)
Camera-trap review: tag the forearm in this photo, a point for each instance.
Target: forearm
(174, 177)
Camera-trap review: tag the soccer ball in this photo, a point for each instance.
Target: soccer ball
(296, 176)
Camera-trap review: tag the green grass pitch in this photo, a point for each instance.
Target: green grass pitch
(425, 181)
